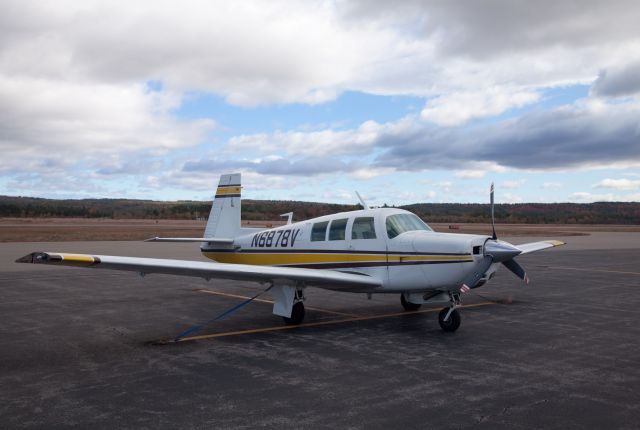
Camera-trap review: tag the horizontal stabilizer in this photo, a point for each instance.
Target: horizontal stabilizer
(190, 239)
(537, 246)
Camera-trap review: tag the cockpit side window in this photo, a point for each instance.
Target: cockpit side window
(363, 228)
(319, 231)
(337, 229)
(400, 223)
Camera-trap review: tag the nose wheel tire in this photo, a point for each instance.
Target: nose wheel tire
(408, 306)
(451, 324)
(297, 314)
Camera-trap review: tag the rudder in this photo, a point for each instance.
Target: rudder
(224, 218)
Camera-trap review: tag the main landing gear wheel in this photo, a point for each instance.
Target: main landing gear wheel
(408, 306)
(451, 324)
(297, 314)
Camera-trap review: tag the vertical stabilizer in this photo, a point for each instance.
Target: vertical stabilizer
(224, 219)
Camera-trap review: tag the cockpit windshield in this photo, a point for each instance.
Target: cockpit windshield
(399, 223)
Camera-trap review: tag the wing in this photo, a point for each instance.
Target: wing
(329, 279)
(537, 246)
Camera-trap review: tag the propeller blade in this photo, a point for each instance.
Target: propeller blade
(517, 269)
(494, 236)
(474, 276)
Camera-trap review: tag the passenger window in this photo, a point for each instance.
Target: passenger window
(363, 228)
(338, 229)
(319, 231)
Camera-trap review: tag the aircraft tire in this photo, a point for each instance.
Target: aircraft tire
(452, 323)
(297, 314)
(408, 306)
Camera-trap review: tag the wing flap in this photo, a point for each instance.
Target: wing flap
(537, 246)
(330, 279)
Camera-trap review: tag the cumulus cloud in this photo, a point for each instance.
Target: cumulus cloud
(458, 108)
(622, 81)
(284, 51)
(470, 174)
(278, 166)
(494, 28)
(570, 136)
(511, 198)
(586, 197)
(44, 123)
(575, 136)
(369, 173)
(74, 92)
(511, 185)
(619, 184)
(551, 185)
(250, 52)
(314, 143)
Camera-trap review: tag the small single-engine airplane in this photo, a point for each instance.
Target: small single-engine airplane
(374, 250)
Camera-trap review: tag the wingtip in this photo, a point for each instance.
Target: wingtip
(34, 257)
(26, 259)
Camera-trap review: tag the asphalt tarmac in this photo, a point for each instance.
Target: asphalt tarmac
(77, 350)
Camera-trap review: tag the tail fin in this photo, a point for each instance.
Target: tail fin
(224, 219)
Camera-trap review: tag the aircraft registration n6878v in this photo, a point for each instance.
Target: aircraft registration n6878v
(369, 251)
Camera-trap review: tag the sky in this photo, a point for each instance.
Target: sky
(405, 102)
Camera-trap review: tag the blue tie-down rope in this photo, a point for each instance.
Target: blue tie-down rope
(199, 327)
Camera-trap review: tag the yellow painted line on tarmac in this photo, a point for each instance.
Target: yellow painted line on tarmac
(237, 296)
(319, 323)
(593, 270)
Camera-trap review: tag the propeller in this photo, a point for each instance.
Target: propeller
(495, 251)
(503, 252)
(494, 236)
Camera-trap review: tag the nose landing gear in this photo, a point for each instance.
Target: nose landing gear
(449, 318)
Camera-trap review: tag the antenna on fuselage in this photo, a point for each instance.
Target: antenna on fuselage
(362, 202)
(289, 216)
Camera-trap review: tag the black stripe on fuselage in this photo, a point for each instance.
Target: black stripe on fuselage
(326, 251)
(367, 264)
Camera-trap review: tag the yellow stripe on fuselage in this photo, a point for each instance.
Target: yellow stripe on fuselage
(275, 259)
(434, 258)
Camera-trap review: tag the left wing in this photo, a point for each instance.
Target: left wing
(329, 279)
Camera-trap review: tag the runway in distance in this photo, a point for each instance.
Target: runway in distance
(368, 251)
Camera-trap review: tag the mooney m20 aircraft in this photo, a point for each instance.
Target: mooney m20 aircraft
(379, 250)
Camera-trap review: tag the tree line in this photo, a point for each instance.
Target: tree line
(259, 210)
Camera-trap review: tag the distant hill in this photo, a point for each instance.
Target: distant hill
(532, 213)
(525, 213)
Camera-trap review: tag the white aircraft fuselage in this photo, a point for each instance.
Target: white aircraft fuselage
(366, 242)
